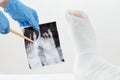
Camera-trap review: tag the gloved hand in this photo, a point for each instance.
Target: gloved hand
(4, 24)
(23, 14)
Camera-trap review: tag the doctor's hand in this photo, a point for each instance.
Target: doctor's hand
(23, 14)
(4, 24)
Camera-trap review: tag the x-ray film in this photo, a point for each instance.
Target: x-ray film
(46, 49)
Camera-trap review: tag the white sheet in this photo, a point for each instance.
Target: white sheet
(38, 77)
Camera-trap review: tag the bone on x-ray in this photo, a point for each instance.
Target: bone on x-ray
(46, 49)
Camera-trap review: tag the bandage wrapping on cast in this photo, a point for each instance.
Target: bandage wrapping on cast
(88, 65)
(1, 1)
(23, 14)
(4, 24)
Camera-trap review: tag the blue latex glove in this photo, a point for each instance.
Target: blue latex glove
(4, 24)
(23, 14)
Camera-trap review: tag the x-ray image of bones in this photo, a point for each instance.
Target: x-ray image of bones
(50, 51)
(44, 50)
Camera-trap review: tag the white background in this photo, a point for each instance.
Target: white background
(104, 15)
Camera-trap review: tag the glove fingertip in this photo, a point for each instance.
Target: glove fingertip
(37, 28)
(6, 31)
(34, 24)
